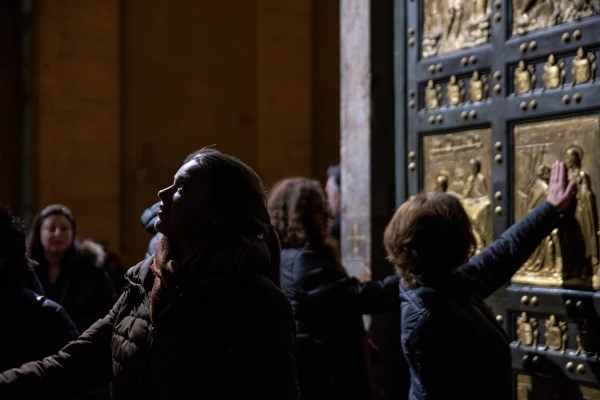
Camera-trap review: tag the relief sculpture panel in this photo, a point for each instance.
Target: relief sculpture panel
(450, 25)
(569, 255)
(460, 164)
(531, 15)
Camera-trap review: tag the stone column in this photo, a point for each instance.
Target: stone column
(355, 121)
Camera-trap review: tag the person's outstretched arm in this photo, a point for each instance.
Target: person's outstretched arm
(498, 262)
(80, 366)
(324, 285)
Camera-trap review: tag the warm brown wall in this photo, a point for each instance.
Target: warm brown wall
(10, 105)
(325, 97)
(189, 80)
(129, 90)
(75, 67)
(284, 95)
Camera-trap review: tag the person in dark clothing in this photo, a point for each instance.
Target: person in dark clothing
(202, 318)
(451, 340)
(328, 304)
(333, 189)
(72, 273)
(148, 219)
(33, 327)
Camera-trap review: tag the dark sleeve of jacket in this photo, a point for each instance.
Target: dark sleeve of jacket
(263, 360)
(498, 262)
(82, 365)
(149, 216)
(59, 328)
(320, 283)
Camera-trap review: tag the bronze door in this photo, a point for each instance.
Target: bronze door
(490, 93)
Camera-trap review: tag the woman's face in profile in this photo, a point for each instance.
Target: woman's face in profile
(56, 234)
(185, 210)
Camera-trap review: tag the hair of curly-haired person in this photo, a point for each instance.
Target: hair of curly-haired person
(428, 238)
(293, 204)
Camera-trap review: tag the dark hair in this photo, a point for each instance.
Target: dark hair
(12, 243)
(429, 236)
(36, 250)
(336, 173)
(238, 198)
(293, 204)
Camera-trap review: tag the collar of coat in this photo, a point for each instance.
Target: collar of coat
(237, 259)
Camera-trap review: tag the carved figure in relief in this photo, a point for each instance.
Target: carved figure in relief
(455, 91)
(477, 204)
(432, 28)
(546, 258)
(554, 75)
(585, 211)
(478, 89)
(524, 78)
(530, 15)
(441, 182)
(457, 187)
(527, 332)
(455, 12)
(433, 95)
(584, 68)
(578, 9)
(476, 186)
(556, 334)
(478, 26)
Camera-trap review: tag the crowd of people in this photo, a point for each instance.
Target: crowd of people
(242, 295)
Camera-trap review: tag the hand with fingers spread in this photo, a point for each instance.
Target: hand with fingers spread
(560, 192)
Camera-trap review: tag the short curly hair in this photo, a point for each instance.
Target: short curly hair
(293, 204)
(429, 236)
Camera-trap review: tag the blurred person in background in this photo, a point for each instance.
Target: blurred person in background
(72, 273)
(33, 327)
(332, 345)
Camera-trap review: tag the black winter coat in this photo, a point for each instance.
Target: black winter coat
(224, 337)
(451, 340)
(33, 327)
(83, 287)
(328, 308)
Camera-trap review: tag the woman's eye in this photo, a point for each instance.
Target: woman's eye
(182, 186)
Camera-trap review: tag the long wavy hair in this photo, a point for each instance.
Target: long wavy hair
(294, 204)
(34, 240)
(238, 198)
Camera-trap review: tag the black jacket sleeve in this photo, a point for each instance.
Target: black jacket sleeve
(320, 283)
(148, 217)
(498, 262)
(82, 365)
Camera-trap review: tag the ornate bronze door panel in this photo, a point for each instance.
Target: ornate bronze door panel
(492, 92)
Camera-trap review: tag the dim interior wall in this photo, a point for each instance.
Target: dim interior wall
(284, 91)
(123, 91)
(189, 81)
(10, 105)
(75, 112)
